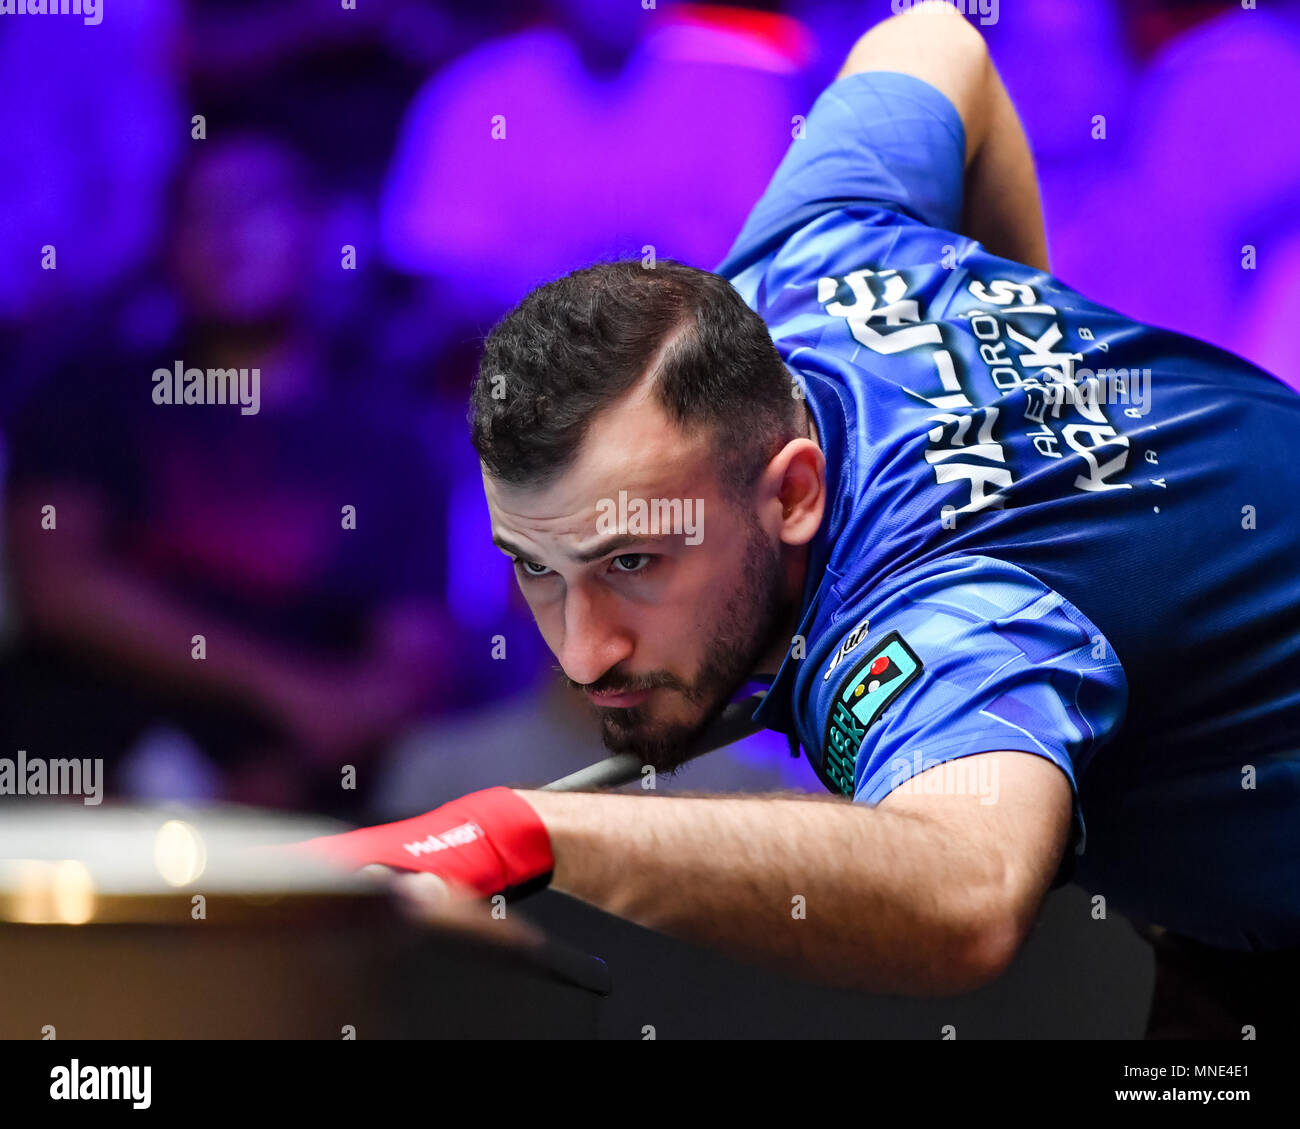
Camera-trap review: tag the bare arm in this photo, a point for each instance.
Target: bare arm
(921, 895)
(1002, 208)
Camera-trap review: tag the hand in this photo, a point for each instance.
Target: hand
(490, 842)
(430, 900)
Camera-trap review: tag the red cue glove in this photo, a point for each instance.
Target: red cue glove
(490, 841)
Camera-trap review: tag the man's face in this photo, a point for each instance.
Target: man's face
(657, 593)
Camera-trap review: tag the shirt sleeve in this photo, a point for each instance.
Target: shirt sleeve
(970, 655)
(877, 138)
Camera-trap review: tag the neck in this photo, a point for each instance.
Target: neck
(782, 639)
(796, 575)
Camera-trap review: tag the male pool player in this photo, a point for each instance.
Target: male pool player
(1031, 619)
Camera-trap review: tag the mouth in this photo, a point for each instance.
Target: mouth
(618, 701)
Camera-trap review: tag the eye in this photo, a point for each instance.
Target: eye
(532, 568)
(631, 562)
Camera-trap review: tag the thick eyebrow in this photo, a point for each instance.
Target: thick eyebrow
(613, 544)
(506, 547)
(586, 556)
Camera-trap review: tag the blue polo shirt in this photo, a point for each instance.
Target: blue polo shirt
(1050, 529)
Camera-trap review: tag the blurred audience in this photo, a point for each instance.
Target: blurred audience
(605, 129)
(91, 130)
(134, 525)
(1209, 169)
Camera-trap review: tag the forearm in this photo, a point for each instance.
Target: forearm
(936, 44)
(824, 889)
(1002, 208)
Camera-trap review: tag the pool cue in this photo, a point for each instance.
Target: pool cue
(734, 724)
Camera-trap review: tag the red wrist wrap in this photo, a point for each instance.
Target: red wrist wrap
(490, 841)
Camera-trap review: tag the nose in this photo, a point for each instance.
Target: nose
(594, 641)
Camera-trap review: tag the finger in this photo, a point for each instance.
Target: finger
(423, 896)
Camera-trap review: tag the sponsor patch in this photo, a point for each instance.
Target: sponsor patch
(855, 637)
(863, 695)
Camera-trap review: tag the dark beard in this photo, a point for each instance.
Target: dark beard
(746, 630)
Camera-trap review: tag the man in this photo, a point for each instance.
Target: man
(1031, 620)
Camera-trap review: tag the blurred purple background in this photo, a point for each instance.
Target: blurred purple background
(372, 189)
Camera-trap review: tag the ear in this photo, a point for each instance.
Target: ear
(792, 492)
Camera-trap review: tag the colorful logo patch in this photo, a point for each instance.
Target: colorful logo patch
(875, 682)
